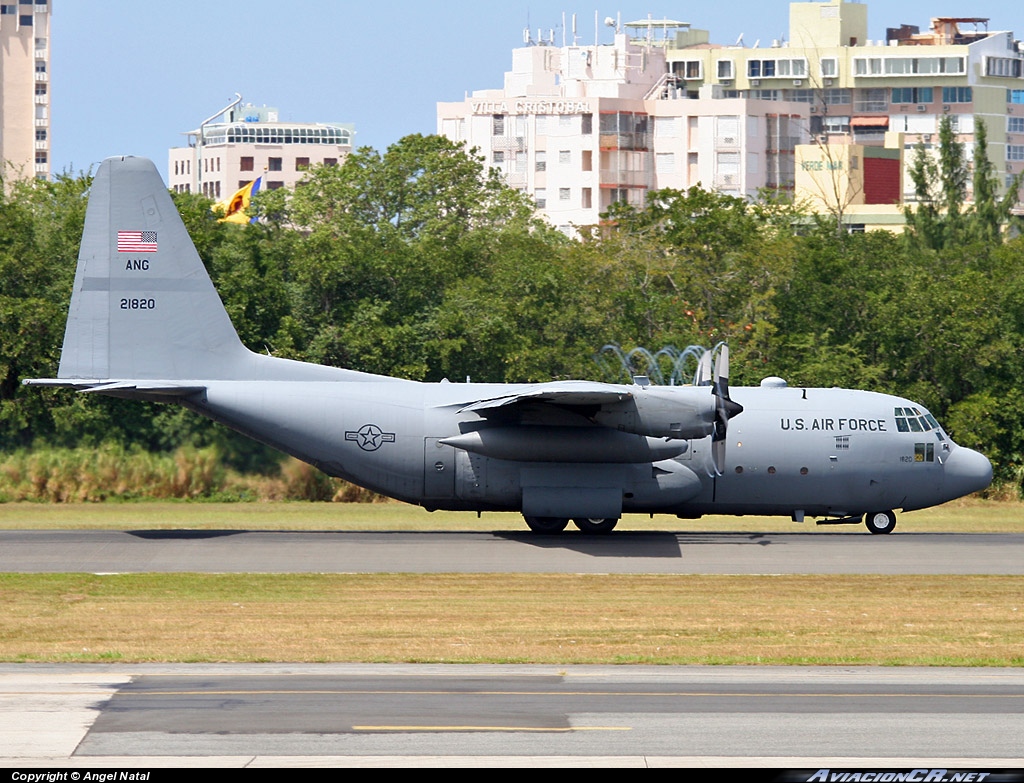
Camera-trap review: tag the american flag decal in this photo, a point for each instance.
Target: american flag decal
(136, 241)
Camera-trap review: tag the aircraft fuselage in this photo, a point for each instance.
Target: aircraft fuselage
(823, 452)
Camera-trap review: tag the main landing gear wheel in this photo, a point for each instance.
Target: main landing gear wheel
(880, 521)
(595, 526)
(546, 525)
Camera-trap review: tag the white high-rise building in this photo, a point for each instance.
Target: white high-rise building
(249, 142)
(579, 127)
(25, 88)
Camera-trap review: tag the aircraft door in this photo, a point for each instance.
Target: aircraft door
(438, 469)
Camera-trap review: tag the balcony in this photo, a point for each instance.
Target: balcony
(509, 143)
(613, 177)
(625, 141)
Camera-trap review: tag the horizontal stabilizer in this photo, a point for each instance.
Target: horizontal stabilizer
(154, 391)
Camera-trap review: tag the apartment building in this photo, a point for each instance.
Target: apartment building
(858, 90)
(25, 88)
(248, 142)
(579, 127)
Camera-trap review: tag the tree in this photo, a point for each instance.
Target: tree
(939, 221)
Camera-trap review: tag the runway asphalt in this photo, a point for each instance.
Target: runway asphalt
(374, 715)
(141, 716)
(236, 551)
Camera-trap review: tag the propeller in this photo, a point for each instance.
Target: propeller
(725, 406)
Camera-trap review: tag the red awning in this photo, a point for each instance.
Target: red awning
(869, 122)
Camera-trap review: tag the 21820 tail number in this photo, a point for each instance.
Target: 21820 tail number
(138, 304)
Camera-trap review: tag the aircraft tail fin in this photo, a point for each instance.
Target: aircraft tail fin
(143, 305)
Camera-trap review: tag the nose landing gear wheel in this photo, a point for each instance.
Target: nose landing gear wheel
(546, 525)
(880, 521)
(595, 526)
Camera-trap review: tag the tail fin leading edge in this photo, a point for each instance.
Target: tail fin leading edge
(143, 306)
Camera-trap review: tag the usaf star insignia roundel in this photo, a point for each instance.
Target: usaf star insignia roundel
(369, 437)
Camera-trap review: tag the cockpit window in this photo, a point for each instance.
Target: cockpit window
(912, 420)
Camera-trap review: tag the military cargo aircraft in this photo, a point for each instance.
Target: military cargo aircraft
(146, 323)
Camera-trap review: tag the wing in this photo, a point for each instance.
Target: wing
(674, 412)
(571, 394)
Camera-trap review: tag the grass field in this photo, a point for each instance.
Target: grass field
(969, 515)
(535, 618)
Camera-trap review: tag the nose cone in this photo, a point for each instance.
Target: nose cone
(965, 471)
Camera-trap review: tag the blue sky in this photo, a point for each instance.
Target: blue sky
(129, 77)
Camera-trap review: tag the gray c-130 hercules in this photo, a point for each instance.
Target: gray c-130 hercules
(146, 323)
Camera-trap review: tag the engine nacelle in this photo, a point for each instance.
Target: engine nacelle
(686, 412)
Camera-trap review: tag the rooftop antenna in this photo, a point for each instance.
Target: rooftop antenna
(739, 41)
(574, 38)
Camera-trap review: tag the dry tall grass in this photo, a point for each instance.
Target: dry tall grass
(113, 473)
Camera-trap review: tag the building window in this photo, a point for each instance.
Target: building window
(726, 69)
(40, 134)
(837, 97)
(665, 162)
(912, 94)
(25, 20)
(1003, 66)
(540, 197)
(498, 125)
(586, 124)
(246, 164)
(330, 162)
(41, 88)
(40, 66)
(498, 157)
(587, 198)
(688, 69)
(922, 66)
(587, 160)
(564, 157)
(836, 124)
(564, 194)
(541, 161)
(7, 10)
(275, 185)
(795, 68)
(1015, 96)
(1015, 151)
(801, 96)
(957, 95)
(40, 156)
(829, 67)
(875, 99)
(302, 164)
(1013, 125)
(275, 164)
